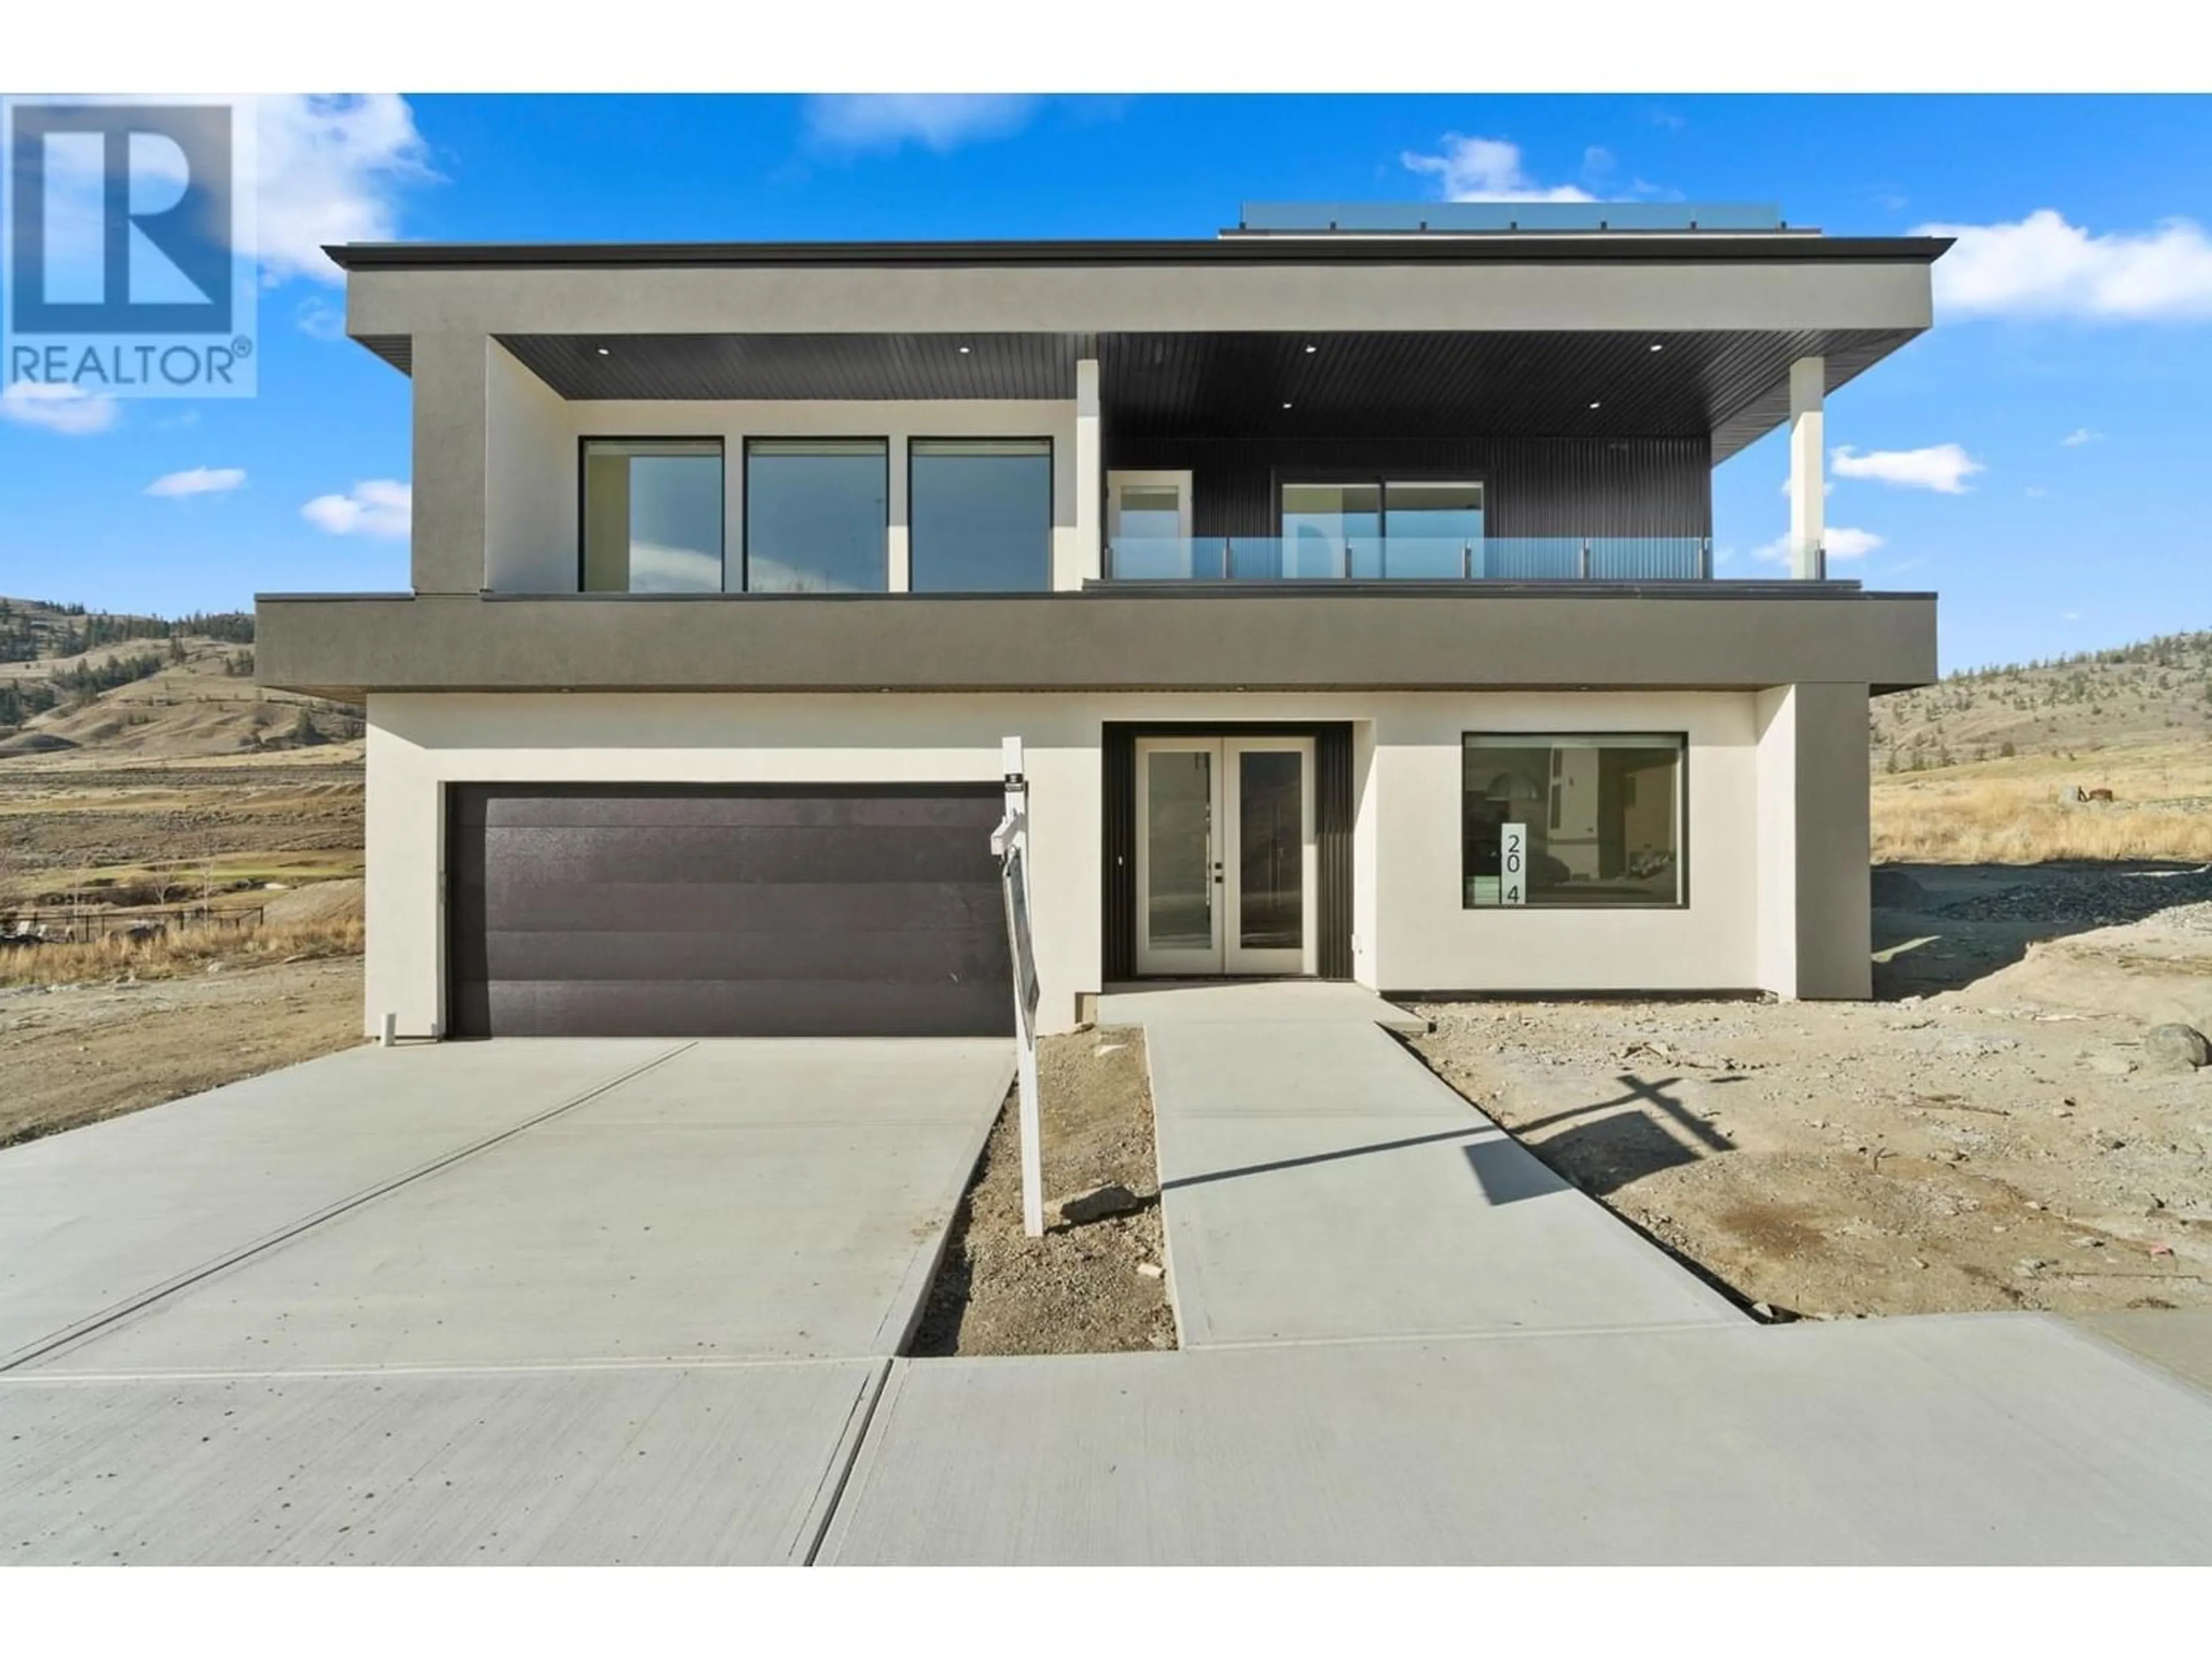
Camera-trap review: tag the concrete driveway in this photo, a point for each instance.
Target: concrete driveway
(491, 1265)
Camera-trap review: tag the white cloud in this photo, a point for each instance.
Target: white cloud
(937, 121)
(319, 319)
(656, 567)
(2044, 266)
(376, 507)
(1841, 542)
(1790, 486)
(1487, 170)
(1943, 468)
(60, 408)
(2080, 435)
(198, 481)
(331, 169)
(2037, 492)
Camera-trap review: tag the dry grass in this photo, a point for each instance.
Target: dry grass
(192, 950)
(1980, 820)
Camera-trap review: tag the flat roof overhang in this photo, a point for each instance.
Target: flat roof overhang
(1507, 335)
(1288, 637)
(1508, 286)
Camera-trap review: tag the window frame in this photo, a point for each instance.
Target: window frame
(1608, 738)
(584, 443)
(1051, 496)
(746, 516)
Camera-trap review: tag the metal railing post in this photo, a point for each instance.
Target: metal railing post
(1705, 558)
(1466, 561)
(1586, 559)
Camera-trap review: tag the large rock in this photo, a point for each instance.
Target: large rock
(1100, 1202)
(2175, 1049)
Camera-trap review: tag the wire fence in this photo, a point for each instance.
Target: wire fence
(85, 926)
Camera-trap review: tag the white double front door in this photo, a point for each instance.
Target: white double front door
(1226, 862)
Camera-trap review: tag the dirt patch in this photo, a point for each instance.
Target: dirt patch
(2003, 1143)
(1077, 1290)
(77, 1054)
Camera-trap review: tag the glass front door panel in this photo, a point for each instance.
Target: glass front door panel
(1179, 849)
(1271, 849)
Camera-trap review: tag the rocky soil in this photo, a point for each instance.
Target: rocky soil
(74, 1055)
(1080, 1289)
(2008, 1141)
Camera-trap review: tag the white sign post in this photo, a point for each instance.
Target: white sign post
(1512, 864)
(1010, 842)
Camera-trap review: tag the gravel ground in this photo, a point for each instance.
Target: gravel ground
(75, 1053)
(2008, 1143)
(1078, 1290)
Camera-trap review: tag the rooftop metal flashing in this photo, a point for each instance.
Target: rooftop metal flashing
(1528, 245)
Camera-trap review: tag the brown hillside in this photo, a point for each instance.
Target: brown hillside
(1972, 769)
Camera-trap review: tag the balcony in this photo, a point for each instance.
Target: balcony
(1408, 558)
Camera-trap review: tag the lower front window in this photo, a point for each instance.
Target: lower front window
(1590, 822)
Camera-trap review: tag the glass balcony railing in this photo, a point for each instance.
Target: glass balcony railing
(1409, 558)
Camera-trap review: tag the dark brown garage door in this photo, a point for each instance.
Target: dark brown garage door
(677, 911)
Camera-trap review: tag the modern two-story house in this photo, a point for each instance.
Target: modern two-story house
(1347, 577)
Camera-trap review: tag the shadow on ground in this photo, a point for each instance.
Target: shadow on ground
(1942, 928)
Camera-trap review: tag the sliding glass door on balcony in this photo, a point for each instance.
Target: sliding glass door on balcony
(817, 515)
(652, 516)
(1380, 530)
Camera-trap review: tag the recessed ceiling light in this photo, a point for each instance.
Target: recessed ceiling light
(963, 351)
(1593, 406)
(1311, 350)
(603, 351)
(1285, 405)
(1657, 346)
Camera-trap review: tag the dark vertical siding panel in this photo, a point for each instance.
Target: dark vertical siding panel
(1332, 825)
(1118, 891)
(1538, 486)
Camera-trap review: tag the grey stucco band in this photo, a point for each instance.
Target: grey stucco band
(1430, 638)
(1809, 291)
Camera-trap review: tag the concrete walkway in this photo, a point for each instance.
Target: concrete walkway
(96, 1220)
(526, 1301)
(1319, 1183)
(1995, 1439)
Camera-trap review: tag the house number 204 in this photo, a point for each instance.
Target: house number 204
(1512, 863)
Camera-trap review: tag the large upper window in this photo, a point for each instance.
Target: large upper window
(817, 515)
(652, 515)
(1579, 821)
(980, 513)
(1371, 530)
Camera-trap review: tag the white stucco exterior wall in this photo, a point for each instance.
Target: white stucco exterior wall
(529, 481)
(1410, 930)
(1775, 718)
(531, 434)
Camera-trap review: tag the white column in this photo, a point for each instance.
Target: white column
(1088, 482)
(1808, 505)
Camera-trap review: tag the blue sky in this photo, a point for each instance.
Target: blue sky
(2035, 458)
